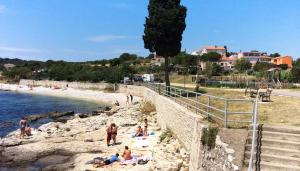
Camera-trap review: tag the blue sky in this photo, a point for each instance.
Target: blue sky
(80, 30)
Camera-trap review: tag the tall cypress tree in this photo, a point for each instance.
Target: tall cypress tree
(163, 29)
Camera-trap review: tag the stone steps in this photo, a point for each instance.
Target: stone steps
(279, 136)
(271, 166)
(277, 151)
(279, 143)
(280, 148)
(283, 160)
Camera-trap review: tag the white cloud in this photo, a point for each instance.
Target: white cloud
(2, 8)
(16, 49)
(105, 38)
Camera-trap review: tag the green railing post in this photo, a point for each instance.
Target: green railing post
(208, 107)
(226, 111)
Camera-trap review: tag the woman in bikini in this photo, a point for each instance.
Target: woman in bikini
(146, 127)
(23, 125)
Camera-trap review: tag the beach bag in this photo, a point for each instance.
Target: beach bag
(142, 162)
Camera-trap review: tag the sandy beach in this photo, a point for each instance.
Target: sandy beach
(88, 95)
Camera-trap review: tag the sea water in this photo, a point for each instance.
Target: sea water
(14, 106)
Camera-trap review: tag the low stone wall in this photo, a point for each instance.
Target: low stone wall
(62, 84)
(188, 128)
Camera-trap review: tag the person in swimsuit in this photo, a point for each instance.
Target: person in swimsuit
(108, 134)
(112, 159)
(127, 154)
(139, 132)
(146, 127)
(23, 126)
(114, 133)
(127, 99)
(131, 98)
(111, 133)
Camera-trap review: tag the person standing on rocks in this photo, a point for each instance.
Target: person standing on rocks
(114, 133)
(23, 125)
(111, 133)
(131, 98)
(127, 100)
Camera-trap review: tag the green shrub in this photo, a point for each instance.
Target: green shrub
(147, 108)
(208, 137)
(166, 134)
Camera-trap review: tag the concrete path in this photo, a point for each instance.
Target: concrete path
(288, 93)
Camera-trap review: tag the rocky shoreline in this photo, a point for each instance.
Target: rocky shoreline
(70, 145)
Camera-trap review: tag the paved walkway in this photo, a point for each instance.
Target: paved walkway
(289, 93)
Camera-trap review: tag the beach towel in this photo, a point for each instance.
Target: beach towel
(134, 160)
(141, 142)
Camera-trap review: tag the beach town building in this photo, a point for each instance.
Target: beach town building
(157, 60)
(228, 62)
(288, 60)
(254, 56)
(218, 49)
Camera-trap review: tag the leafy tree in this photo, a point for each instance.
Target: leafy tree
(284, 66)
(217, 70)
(295, 72)
(211, 57)
(262, 66)
(274, 55)
(163, 29)
(184, 59)
(242, 65)
(212, 69)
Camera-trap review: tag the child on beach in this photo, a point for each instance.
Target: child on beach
(139, 132)
(127, 100)
(145, 127)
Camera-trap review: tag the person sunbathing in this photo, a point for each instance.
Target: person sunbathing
(127, 153)
(112, 159)
(139, 132)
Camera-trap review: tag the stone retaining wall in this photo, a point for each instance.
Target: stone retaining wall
(62, 84)
(188, 127)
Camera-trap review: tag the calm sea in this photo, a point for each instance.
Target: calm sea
(15, 105)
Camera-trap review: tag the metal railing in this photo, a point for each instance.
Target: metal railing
(214, 107)
(250, 166)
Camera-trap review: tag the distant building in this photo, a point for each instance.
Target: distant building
(9, 66)
(283, 60)
(157, 60)
(228, 62)
(254, 56)
(218, 49)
